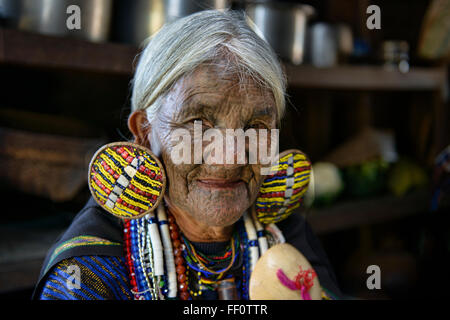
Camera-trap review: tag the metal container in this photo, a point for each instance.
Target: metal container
(137, 20)
(8, 10)
(323, 46)
(396, 55)
(51, 17)
(283, 26)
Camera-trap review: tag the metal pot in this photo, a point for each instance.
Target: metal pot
(137, 20)
(8, 10)
(322, 45)
(50, 17)
(283, 26)
(328, 44)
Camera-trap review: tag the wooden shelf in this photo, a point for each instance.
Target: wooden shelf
(351, 214)
(30, 49)
(366, 78)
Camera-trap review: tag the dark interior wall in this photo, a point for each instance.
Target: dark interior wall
(101, 101)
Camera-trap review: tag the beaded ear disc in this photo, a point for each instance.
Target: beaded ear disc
(282, 191)
(126, 179)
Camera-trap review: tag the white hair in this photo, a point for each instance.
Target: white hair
(183, 45)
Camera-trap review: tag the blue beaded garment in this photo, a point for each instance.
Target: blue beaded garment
(102, 278)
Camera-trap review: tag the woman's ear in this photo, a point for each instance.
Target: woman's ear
(140, 128)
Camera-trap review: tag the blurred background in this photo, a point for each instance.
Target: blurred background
(367, 101)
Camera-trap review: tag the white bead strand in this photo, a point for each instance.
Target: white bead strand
(251, 234)
(262, 240)
(158, 256)
(168, 252)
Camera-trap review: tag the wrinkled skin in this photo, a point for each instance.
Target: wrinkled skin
(207, 200)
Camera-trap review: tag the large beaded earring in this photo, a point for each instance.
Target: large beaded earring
(126, 179)
(284, 188)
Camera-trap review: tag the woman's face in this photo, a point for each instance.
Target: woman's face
(215, 194)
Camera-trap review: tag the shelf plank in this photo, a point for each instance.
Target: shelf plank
(30, 49)
(356, 213)
(365, 78)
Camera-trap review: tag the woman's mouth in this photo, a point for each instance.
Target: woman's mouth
(220, 183)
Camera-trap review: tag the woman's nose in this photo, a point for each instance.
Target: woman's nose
(227, 148)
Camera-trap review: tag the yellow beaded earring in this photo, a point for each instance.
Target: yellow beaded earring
(282, 191)
(126, 179)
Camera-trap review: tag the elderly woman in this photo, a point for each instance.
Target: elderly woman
(213, 220)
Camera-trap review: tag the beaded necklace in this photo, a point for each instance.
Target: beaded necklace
(163, 264)
(207, 268)
(205, 264)
(205, 260)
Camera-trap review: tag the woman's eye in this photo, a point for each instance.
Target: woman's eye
(202, 122)
(256, 125)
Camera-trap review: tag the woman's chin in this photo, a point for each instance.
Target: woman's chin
(221, 220)
(221, 207)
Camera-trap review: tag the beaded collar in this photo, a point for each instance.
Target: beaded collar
(163, 264)
(206, 270)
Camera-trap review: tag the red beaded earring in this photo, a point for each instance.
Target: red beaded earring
(126, 179)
